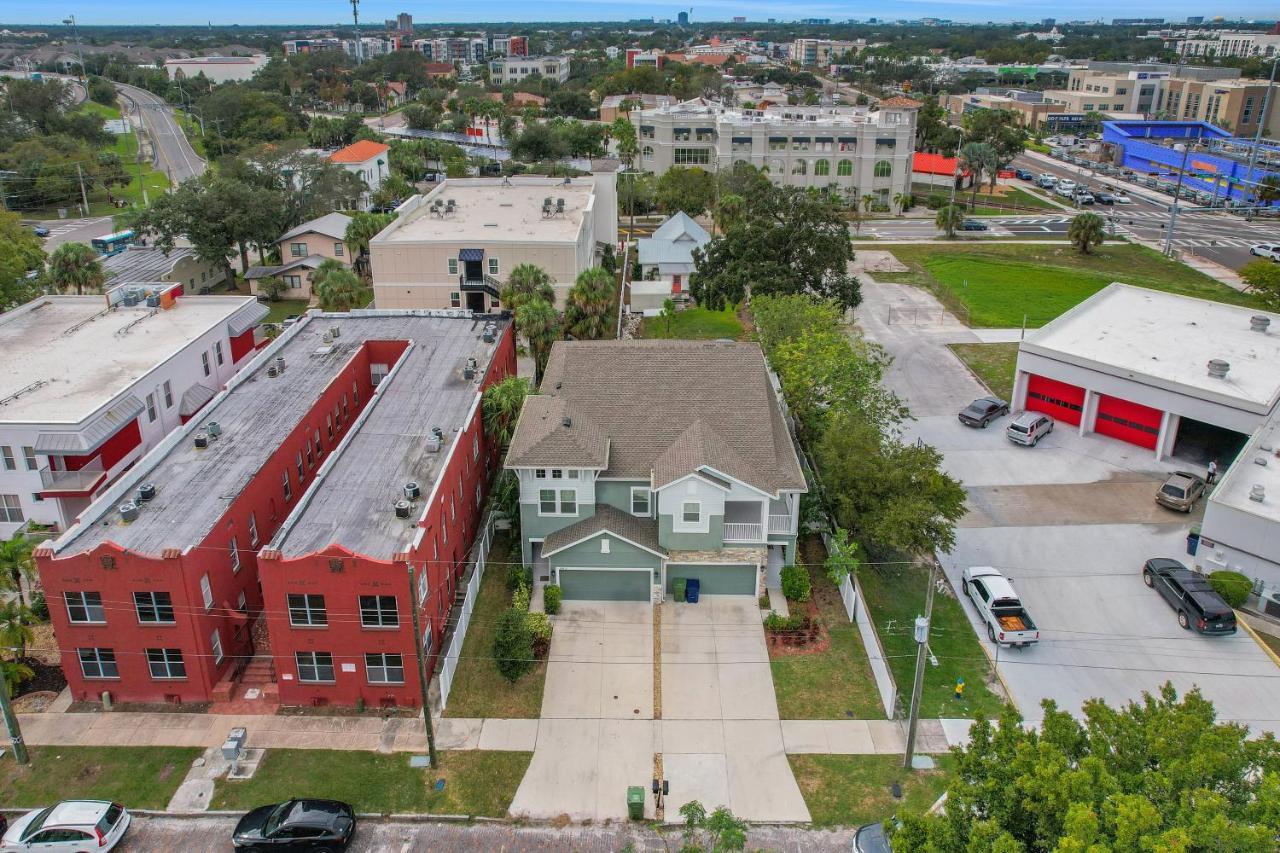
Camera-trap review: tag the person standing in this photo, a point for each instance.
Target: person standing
(1213, 472)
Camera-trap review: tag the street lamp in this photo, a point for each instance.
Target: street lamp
(71, 22)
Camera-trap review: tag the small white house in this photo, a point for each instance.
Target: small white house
(666, 262)
(369, 160)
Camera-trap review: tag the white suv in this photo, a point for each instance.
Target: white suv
(1028, 428)
(71, 825)
(1266, 250)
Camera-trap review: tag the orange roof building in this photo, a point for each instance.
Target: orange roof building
(369, 161)
(359, 152)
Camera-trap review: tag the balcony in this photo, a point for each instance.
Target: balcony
(485, 284)
(743, 532)
(69, 483)
(780, 524)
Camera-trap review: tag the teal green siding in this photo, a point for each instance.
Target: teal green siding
(716, 580)
(591, 585)
(617, 493)
(534, 526)
(709, 541)
(789, 552)
(622, 555)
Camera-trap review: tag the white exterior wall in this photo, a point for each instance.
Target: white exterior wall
(372, 174)
(672, 497)
(1240, 541)
(217, 72)
(584, 486)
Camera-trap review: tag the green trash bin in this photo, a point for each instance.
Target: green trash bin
(677, 588)
(635, 802)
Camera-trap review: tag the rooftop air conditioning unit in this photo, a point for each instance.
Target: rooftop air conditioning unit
(412, 490)
(153, 301)
(128, 511)
(469, 370)
(146, 492)
(213, 428)
(201, 440)
(402, 509)
(279, 364)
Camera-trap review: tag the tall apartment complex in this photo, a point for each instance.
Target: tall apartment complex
(859, 152)
(469, 49)
(1224, 43)
(822, 51)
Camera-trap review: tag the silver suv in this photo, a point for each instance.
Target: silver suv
(1028, 428)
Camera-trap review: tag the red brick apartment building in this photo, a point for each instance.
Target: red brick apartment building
(268, 544)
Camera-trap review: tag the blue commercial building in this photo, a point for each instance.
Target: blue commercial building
(1222, 169)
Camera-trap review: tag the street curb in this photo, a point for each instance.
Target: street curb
(1262, 645)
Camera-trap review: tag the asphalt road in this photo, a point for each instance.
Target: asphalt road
(171, 150)
(74, 230)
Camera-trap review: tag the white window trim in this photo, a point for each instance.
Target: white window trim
(215, 643)
(648, 493)
(206, 591)
(679, 525)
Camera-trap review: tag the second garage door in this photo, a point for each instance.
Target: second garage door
(716, 580)
(1060, 400)
(1131, 422)
(604, 584)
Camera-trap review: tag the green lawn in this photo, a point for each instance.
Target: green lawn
(696, 323)
(1003, 204)
(477, 783)
(139, 777)
(479, 690)
(831, 685)
(851, 790)
(895, 596)
(277, 311)
(994, 364)
(996, 285)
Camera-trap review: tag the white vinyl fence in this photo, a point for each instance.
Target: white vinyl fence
(449, 663)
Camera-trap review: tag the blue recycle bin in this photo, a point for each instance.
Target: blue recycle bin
(691, 590)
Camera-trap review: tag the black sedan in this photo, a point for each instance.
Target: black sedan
(983, 411)
(1105, 198)
(297, 825)
(973, 225)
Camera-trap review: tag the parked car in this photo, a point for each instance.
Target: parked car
(71, 825)
(1105, 198)
(1190, 595)
(1008, 622)
(1266, 250)
(1023, 175)
(296, 825)
(871, 838)
(1065, 192)
(1028, 428)
(40, 230)
(973, 225)
(1181, 491)
(1121, 198)
(983, 411)
(1083, 196)
(1046, 181)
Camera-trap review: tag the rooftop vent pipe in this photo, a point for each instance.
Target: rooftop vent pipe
(1259, 323)
(1219, 368)
(1258, 493)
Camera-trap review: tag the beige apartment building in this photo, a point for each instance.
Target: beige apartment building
(455, 246)
(855, 150)
(1233, 105)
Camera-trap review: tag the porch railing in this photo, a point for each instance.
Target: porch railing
(71, 481)
(740, 532)
(780, 524)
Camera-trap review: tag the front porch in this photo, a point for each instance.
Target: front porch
(755, 521)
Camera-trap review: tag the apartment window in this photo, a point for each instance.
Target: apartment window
(84, 607)
(217, 351)
(292, 282)
(253, 530)
(307, 611)
(422, 580)
(168, 395)
(556, 474)
(6, 452)
(799, 167)
(493, 266)
(844, 168)
(344, 405)
(691, 512)
(455, 300)
(540, 473)
(241, 603)
(453, 509)
(166, 664)
(29, 456)
(475, 447)
(822, 167)
(647, 151)
(204, 362)
(478, 494)
(314, 667)
(568, 502)
(355, 392)
(338, 250)
(379, 611)
(692, 156)
(98, 663)
(547, 502)
(234, 549)
(453, 266)
(151, 408)
(384, 668)
(154, 608)
(215, 643)
(328, 426)
(288, 490)
(316, 437)
(572, 474)
(298, 250)
(883, 168)
(10, 509)
(311, 459)
(206, 591)
(298, 462)
(639, 501)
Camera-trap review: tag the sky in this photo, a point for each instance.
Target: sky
(322, 12)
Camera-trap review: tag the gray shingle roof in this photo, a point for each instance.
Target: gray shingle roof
(607, 519)
(658, 410)
(331, 225)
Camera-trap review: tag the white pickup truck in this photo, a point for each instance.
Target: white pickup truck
(1008, 623)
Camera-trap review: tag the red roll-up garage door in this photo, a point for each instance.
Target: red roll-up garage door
(1059, 400)
(1131, 422)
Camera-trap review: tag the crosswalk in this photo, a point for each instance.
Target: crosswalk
(73, 225)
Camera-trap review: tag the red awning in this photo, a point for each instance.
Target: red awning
(934, 164)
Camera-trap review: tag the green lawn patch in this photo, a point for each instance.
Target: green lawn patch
(895, 596)
(852, 790)
(479, 690)
(138, 777)
(695, 323)
(835, 684)
(477, 783)
(108, 113)
(994, 364)
(278, 311)
(997, 285)
(1013, 200)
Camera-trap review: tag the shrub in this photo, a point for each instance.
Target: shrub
(935, 201)
(520, 599)
(517, 576)
(795, 583)
(1232, 586)
(513, 645)
(551, 599)
(40, 607)
(539, 626)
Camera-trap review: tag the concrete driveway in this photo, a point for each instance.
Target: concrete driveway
(596, 733)
(720, 736)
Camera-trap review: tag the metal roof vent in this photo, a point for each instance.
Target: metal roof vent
(201, 440)
(469, 370)
(412, 490)
(1218, 368)
(279, 364)
(1259, 323)
(402, 509)
(1258, 493)
(146, 492)
(213, 428)
(272, 373)
(437, 433)
(128, 511)
(566, 421)
(335, 332)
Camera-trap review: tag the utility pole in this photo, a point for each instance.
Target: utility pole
(84, 196)
(1262, 122)
(75, 31)
(422, 665)
(922, 641)
(11, 723)
(1177, 195)
(355, 16)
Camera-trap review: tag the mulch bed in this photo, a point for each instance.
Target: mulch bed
(142, 707)
(48, 678)
(812, 641)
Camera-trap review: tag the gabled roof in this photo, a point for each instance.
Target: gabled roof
(310, 262)
(673, 242)
(641, 532)
(681, 226)
(331, 225)
(659, 410)
(359, 152)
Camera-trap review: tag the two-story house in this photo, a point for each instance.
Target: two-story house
(666, 262)
(641, 462)
(302, 250)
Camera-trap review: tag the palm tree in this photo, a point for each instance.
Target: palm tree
(362, 228)
(1086, 230)
(524, 283)
(728, 211)
(500, 407)
(902, 201)
(978, 158)
(590, 304)
(16, 564)
(338, 289)
(538, 321)
(75, 267)
(867, 200)
(15, 627)
(950, 217)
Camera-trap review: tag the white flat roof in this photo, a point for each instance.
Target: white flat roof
(79, 355)
(1168, 340)
(1245, 473)
(489, 210)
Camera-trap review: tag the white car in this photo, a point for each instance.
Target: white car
(1266, 250)
(71, 825)
(1121, 198)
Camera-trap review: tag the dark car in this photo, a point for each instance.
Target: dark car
(40, 230)
(296, 825)
(1105, 198)
(973, 225)
(1023, 175)
(1189, 593)
(983, 411)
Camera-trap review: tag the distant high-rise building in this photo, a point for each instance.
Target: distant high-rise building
(402, 24)
(683, 19)
(1047, 23)
(1195, 19)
